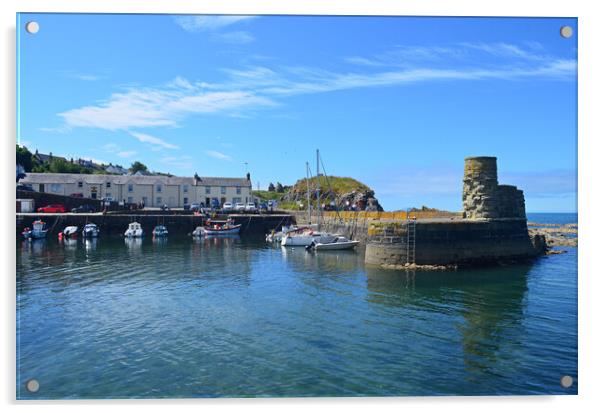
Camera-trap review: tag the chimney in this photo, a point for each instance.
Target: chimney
(248, 176)
(196, 179)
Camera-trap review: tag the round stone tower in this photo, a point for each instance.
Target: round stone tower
(479, 196)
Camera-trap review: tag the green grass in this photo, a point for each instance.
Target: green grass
(267, 195)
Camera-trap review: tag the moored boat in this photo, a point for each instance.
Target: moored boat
(339, 243)
(38, 230)
(90, 230)
(160, 231)
(134, 230)
(69, 232)
(304, 237)
(226, 229)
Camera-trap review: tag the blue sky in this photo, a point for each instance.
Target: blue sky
(396, 102)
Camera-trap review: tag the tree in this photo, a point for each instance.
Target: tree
(24, 158)
(138, 166)
(279, 188)
(271, 187)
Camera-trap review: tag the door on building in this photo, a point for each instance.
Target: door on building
(94, 193)
(41, 188)
(208, 202)
(222, 200)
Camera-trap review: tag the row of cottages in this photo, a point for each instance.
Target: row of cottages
(152, 190)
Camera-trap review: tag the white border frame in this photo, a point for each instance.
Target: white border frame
(590, 69)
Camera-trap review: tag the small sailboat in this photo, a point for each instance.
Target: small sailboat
(134, 231)
(69, 232)
(160, 231)
(38, 230)
(338, 243)
(90, 231)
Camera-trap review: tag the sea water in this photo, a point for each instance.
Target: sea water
(115, 318)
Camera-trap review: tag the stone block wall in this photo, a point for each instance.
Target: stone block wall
(483, 197)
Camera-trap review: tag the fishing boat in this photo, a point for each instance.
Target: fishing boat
(339, 243)
(69, 232)
(222, 229)
(90, 231)
(134, 231)
(38, 230)
(160, 231)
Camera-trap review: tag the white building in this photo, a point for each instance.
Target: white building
(153, 190)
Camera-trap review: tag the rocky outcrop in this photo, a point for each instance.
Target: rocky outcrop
(360, 197)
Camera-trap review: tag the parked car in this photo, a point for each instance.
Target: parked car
(53, 208)
(195, 207)
(83, 209)
(25, 187)
(250, 207)
(77, 195)
(214, 203)
(227, 206)
(239, 206)
(165, 207)
(108, 199)
(263, 207)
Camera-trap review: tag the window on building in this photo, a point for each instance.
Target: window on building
(207, 189)
(159, 200)
(159, 188)
(80, 184)
(130, 187)
(41, 188)
(108, 184)
(223, 190)
(238, 190)
(185, 201)
(56, 188)
(185, 189)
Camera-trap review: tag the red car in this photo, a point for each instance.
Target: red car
(54, 208)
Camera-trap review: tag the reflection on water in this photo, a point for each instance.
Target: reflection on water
(225, 316)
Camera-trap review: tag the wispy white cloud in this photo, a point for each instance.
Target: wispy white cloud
(218, 155)
(126, 154)
(184, 162)
(208, 23)
(248, 89)
(153, 140)
(160, 106)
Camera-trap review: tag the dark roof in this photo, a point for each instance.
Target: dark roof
(58, 178)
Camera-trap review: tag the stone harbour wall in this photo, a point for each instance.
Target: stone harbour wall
(462, 242)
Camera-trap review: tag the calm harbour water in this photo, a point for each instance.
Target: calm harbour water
(235, 317)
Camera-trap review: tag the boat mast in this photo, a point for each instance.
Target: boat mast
(318, 185)
(308, 196)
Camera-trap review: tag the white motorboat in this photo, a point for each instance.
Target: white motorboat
(38, 230)
(134, 231)
(276, 236)
(305, 237)
(70, 232)
(90, 231)
(160, 231)
(339, 243)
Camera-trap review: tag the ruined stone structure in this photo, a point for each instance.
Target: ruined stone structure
(493, 227)
(483, 198)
